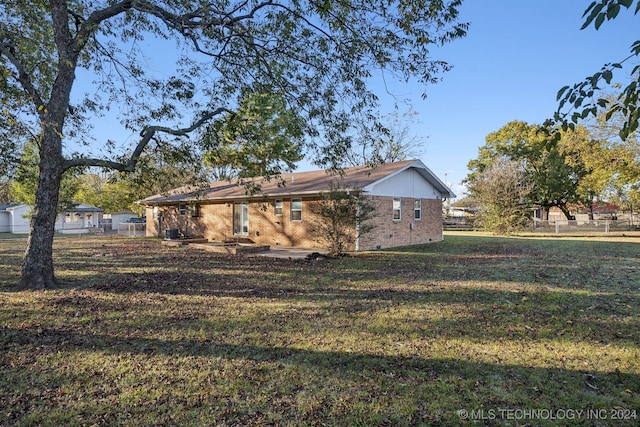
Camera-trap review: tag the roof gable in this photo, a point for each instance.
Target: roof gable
(11, 206)
(82, 207)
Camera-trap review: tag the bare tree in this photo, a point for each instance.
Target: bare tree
(391, 142)
(501, 191)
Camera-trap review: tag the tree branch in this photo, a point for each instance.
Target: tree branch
(147, 135)
(8, 49)
(98, 16)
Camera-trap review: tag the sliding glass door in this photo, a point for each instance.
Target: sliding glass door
(241, 219)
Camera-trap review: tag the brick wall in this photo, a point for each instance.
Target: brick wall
(387, 232)
(265, 227)
(191, 226)
(215, 222)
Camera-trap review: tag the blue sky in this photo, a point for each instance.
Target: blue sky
(515, 58)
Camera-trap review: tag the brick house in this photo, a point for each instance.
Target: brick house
(406, 195)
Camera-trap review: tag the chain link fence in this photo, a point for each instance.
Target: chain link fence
(600, 226)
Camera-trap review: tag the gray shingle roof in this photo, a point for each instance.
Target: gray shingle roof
(297, 184)
(10, 205)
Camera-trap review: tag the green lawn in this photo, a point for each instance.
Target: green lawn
(477, 330)
(12, 236)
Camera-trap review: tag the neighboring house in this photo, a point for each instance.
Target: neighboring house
(406, 195)
(122, 218)
(80, 219)
(15, 218)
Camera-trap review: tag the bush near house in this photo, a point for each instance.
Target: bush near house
(343, 219)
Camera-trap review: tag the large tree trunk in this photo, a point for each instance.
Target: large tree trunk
(545, 213)
(37, 267)
(565, 211)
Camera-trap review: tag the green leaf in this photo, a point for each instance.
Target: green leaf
(612, 111)
(599, 21)
(612, 11)
(591, 6)
(595, 10)
(561, 92)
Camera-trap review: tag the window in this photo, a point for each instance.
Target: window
(417, 209)
(73, 217)
(182, 209)
(296, 209)
(396, 209)
(194, 210)
(277, 207)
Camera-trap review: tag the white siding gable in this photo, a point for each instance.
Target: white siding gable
(21, 219)
(4, 222)
(407, 183)
(15, 219)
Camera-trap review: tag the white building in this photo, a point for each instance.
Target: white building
(15, 218)
(80, 219)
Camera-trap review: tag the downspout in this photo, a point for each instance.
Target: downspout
(358, 228)
(358, 223)
(442, 226)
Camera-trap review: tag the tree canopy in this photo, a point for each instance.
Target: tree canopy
(577, 166)
(164, 69)
(581, 100)
(389, 142)
(24, 183)
(554, 181)
(261, 138)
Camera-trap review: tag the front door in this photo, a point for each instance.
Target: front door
(240, 219)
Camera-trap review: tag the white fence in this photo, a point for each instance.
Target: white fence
(132, 228)
(604, 226)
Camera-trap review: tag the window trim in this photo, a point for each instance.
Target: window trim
(292, 209)
(182, 209)
(278, 207)
(194, 210)
(417, 209)
(397, 209)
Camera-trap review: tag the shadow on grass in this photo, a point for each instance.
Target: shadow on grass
(520, 289)
(571, 265)
(482, 291)
(460, 313)
(52, 340)
(331, 376)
